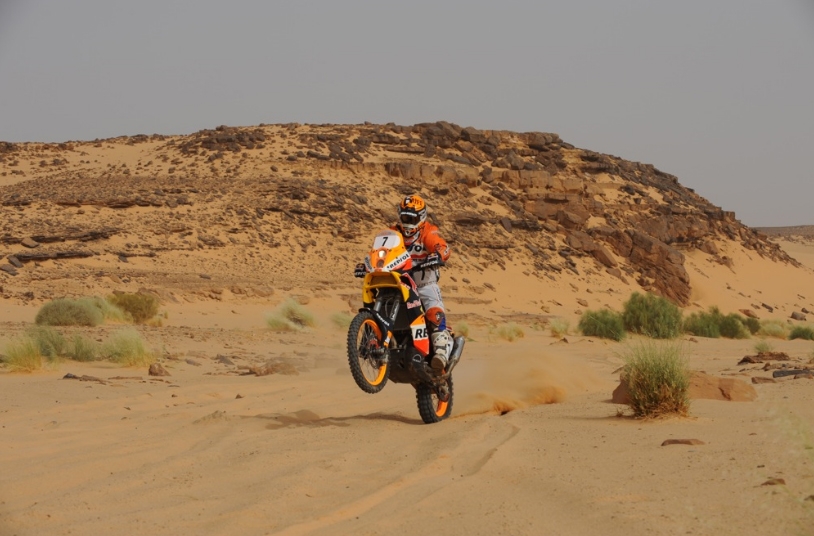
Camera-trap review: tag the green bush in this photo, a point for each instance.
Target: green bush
(802, 332)
(658, 378)
(23, 354)
(69, 312)
(81, 348)
(297, 314)
(732, 327)
(704, 324)
(604, 323)
(50, 342)
(752, 324)
(651, 315)
(715, 324)
(140, 307)
(127, 348)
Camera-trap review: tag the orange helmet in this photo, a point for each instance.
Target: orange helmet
(412, 214)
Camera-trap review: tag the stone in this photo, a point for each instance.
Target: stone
(9, 269)
(798, 316)
(682, 442)
(714, 388)
(29, 243)
(748, 312)
(774, 482)
(14, 261)
(507, 224)
(157, 370)
(762, 379)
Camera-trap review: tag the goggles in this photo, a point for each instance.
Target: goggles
(409, 219)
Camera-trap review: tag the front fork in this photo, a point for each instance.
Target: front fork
(391, 321)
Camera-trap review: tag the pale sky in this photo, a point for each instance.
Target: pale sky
(717, 92)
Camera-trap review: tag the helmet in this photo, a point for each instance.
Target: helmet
(412, 214)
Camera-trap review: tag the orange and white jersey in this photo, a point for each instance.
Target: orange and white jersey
(422, 244)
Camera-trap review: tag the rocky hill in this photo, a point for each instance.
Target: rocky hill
(277, 204)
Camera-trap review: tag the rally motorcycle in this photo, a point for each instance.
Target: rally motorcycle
(388, 338)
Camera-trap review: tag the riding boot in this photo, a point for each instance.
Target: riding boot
(440, 344)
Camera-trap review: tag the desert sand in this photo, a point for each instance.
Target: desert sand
(534, 445)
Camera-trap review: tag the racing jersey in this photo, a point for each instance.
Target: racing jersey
(422, 244)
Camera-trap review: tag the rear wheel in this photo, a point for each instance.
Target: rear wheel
(432, 407)
(366, 362)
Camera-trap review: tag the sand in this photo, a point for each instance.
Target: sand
(534, 445)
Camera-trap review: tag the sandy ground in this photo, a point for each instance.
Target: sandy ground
(209, 451)
(534, 446)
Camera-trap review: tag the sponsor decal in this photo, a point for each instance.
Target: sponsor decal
(413, 304)
(404, 257)
(419, 333)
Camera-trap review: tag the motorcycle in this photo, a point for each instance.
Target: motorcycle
(388, 338)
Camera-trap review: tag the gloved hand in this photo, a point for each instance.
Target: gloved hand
(432, 261)
(360, 270)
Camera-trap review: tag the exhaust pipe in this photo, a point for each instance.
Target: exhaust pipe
(457, 350)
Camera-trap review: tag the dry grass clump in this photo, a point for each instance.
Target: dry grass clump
(23, 354)
(139, 306)
(559, 326)
(651, 315)
(70, 312)
(658, 378)
(81, 348)
(462, 328)
(604, 323)
(127, 348)
(290, 315)
(341, 320)
(50, 342)
(510, 332)
(773, 328)
(802, 332)
(763, 347)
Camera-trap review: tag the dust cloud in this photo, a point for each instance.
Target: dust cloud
(504, 384)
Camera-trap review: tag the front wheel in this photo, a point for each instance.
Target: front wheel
(432, 407)
(365, 354)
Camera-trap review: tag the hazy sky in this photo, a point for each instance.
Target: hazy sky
(717, 92)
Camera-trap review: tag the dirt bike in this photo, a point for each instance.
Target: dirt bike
(388, 338)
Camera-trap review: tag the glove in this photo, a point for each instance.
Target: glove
(360, 270)
(432, 261)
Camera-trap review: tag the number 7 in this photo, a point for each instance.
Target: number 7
(384, 240)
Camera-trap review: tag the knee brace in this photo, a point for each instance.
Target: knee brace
(436, 319)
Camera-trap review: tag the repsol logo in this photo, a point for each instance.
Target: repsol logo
(413, 304)
(420, 333)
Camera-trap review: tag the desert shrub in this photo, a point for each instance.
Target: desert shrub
(510, 332)
(81, 348)
(658, 378)
(651, 315)
(69, 312)
(559, 326)
(773, 328)
(763, 347)
(802, 332)
(23, 354)
(604, 323)
(732, 327)
(341, 320)
(704, 324)
(127, 348)
(141, 307)
(752, 324)
(715, 324)
(50, 342)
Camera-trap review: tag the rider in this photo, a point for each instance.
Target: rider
(429, 250)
